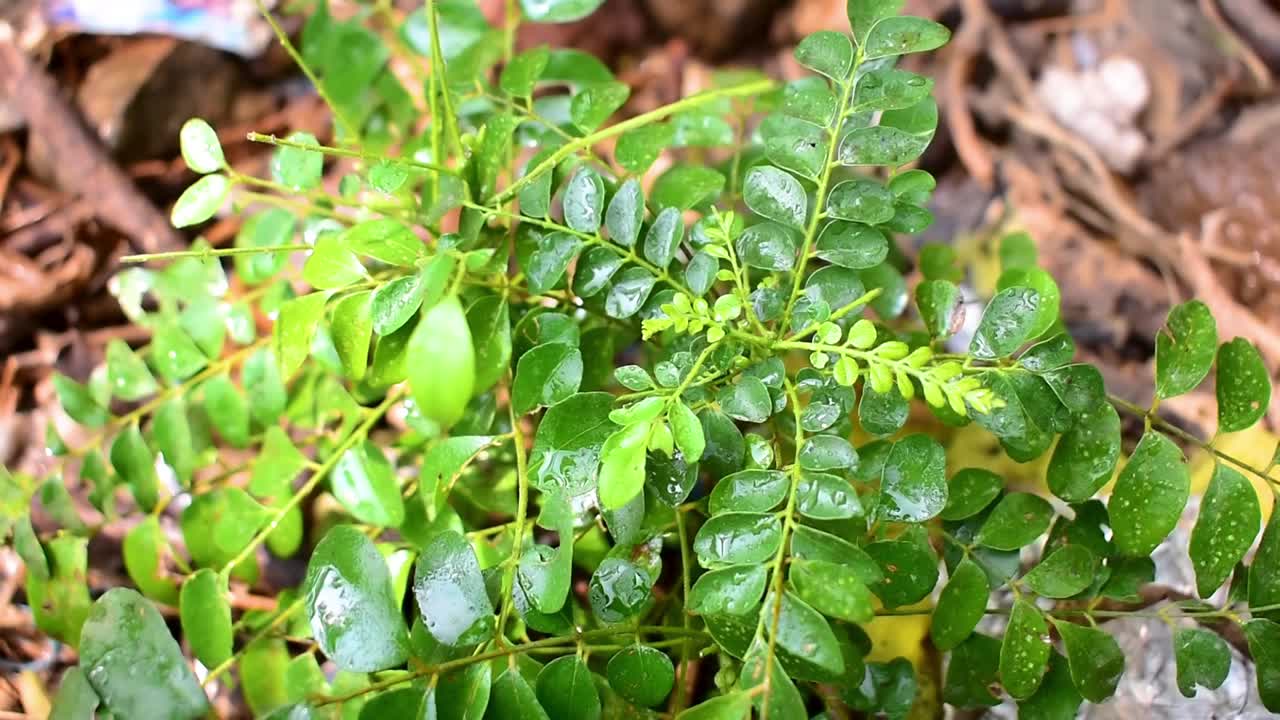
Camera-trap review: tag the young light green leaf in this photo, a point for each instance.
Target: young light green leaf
(354, 616)
(1024, 654)
(962, 604)
(1095, 659)
(441, 362)
(734, 706)
(913, 486)
(351, 328)
(123, 635)
(1067, 571)
(1017, 520)
(385, 240)
(1149, 495)
(298, 168)
(1243, 386)
(450, 591)
(201, 150)
(295, 328)
(1230, 518)
(331, 265)
(546, 375)
(1185, 349)
(200, 201)
(687, 431)
(622, 460)
(1203, 659)
(205, 613)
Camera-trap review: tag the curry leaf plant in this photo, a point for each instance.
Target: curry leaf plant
(559, 435)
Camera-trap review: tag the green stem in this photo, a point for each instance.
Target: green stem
(440, 71)
(693, 101)
(221, 252)
(812, 327)
(342, 152)
(522, 505)
(349, 127)
(824, 182)
(686, 649)
(303, 208)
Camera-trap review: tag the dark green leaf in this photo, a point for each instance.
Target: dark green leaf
(882, 413)
(1024, 654)
(584, 201)
(294, 330)
(1067, 571)
(546, 375)
(1185, 349)
(763, 670)
(1243, 386)
(1203, 660)
(909, 571)
(1086, 455)
(1007, 324)
(144, 549)
(972, 673)
(913, 487)
(970, 491)
(1264, 573)
(1017, 520)
(664, 237)
(747, 401)
(395, 303)
(768, 246)
(566, 690)
(794, 144)
(809, 99)
(512, 697)
(133, 663)
(962, 604)
(823, 496)
(1149, 495)
(776, 195)
(206, 617)
(228, 410)
(629, 292)
(625, 214)
(1056, 698)
(385, 240)
(834, 589)
(900, 35)
(737, 538)
(642, 675)
(490, 322)
(804, 633)
(827, 452)
(566, 448)
(1095, 659)
(826, 52)
(175, 355)
(890, 89)
(852, 245)
(861, 200)
(749, 491)
(733, 590)
(1229, 521)
(1264, 646)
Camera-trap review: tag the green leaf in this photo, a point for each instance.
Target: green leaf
(833, 589)
(827, 452)
(639, 148)
(620, 589)
(1048, 354)
(972, 673)
(794, 144)
(864, 14)
(1185, 349)
(882, 413)
(298, 168)
(144, 549)
(901, 35)
(1007, 324)
(260, 377)
(961, 606)
(450, 591)
(890, 89)
(1024, 654)
(629, 292)
(76, 698)
(687, 431)
(970, 491)
(901, 137)
(441, 362)
(1095, 659)
(355, 617)
(664, 237)
(913, 486)
(206, 617)
(622, 459)
(201, 150)
(641, 674)
(1086, 455)
(127, 374)
(768, 246)
(174, 355)
(352, 331)
(199, 202)
(78, 402)
(861, 200)
(593, 104)
(1264, 573)
(135, 464)
(1203, 660)
(364, 481)
(734, 706)
(802, 632)
(490, 321)
(625, 214)
(558, 11)
(584, 201)
(395, 303)
(295, 329)
(1264, 645)
(228, 410)
(523, 71)
(1149, 495)
(546, 375)
(1056, 698)
(567, 445)
(826, 52)
(737, 539)
(686, 186)
(748, 400)
(1243, 386)
(1067, 571)
(512, 697)
(909, 571)
(566, 690)
(595, 268)
(1050, 298)
(749, 491)
(462, 694)
(387, 177)
(823, 496)
(385, 240)
(331, 265)
(1017, 520)
(852, 245)
(941, 306)
(774, 194)
(125, 634)
(809, 99)
(778, 696)
(733, 590)
(1229, 521)
(550, 259)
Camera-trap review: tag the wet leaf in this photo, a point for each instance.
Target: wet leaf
(826, 52)
(1017, 520)
(642, 675)
(365, 483)
(1095, 659)
(1203, 660)
(1185, 349)
(1024, 654)
(1230, 518)
(1149, 495)
(206, 617)
(962, 604)
(199, 202)
(913, 487)
(776, 195)
(749, 491)
(1243, 386)
(734, 590)
(1065, 572)
(450, 591)
(441, 362)
(566, 690)
(1086, 455)
(833, 589)
(1007, 324)
(546, 375)
(737, 539)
